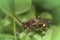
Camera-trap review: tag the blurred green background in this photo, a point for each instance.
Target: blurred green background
(25, 10)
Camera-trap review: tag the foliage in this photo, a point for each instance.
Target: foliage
(10, 27)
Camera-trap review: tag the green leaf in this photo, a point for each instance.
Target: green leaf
(48, 4)
(28, 15)
(24, 36)
(4, 6)
(51, 4)
(6, 21)
(15, 6)
(22, 6)
(6, 37)
(56, 33)
(46, 15)
(56, 16)
(48, 35)
(2, 15)
(37, 37)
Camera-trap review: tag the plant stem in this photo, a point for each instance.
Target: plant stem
(14, 27)
(17, 18)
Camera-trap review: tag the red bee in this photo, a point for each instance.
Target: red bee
(28, 23)
(39, 22)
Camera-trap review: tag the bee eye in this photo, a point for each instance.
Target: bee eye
(44, 25)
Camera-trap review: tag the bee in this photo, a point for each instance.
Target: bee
(33, 24)
(38, 23)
